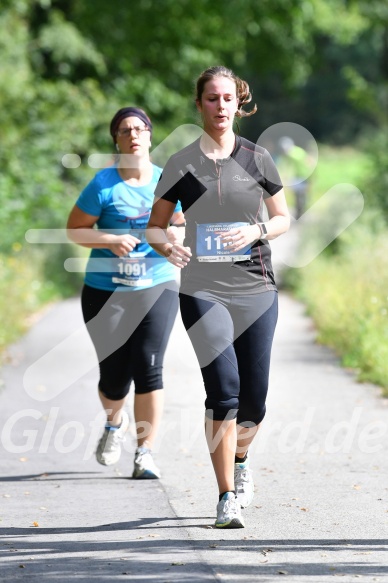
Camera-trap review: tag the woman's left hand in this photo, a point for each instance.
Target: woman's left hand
(179, 255)
(238, 238)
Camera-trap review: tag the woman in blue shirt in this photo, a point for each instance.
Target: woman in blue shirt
(129, 298)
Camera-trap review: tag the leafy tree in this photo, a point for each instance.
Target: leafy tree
(40, 120)
(67, 66)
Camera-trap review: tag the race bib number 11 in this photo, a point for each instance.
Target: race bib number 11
(210, 247)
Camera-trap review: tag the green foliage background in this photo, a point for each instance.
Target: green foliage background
(67, 66)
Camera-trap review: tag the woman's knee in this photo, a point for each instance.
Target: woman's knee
(114, 392)
(221, 410)
(255, 414)
(145, 390)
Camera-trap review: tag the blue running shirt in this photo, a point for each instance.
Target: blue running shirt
(123, 209)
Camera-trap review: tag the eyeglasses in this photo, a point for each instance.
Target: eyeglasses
(126, 132)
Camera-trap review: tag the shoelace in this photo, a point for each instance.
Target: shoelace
(241, 477)
(112, 439)
(143, 453)
(230, 505)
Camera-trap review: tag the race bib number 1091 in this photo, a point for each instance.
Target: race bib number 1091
(134, 272)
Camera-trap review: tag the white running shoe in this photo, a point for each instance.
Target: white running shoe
(109, 447)
(229, 512)
(243, 483)
(145, 468)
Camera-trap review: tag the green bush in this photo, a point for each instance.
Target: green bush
(375, 187)
(31, 279)
(345, 288)
(347, 297)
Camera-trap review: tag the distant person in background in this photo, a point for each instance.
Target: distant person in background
(298, 168)
(129, 299)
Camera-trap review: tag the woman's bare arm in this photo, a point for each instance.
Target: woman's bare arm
(156, 234)
(80, 230)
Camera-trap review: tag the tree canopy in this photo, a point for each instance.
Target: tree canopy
(67, 66)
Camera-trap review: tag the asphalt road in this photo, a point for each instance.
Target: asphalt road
(320, 468)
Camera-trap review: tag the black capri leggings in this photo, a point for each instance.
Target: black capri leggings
(232, 338)
(130, 331)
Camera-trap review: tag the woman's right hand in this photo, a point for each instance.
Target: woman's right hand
(179, 255)
(123, 244)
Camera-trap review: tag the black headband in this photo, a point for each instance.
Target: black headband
(128, 112)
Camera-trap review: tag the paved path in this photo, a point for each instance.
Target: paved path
(320, 465)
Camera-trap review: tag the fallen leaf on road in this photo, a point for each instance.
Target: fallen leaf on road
(35, 523)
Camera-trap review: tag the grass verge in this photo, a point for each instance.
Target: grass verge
(345, 288)
(30, 280)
